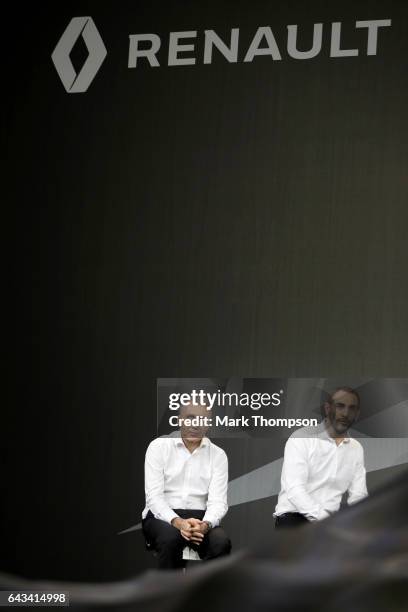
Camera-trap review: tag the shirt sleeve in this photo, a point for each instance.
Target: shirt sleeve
(154, 484)
(295, 471)
(217, 505)
(358, 487)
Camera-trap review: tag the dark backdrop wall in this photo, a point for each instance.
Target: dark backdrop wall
(244, 219)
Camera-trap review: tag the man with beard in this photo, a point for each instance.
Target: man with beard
(186, 482)
(321, 464)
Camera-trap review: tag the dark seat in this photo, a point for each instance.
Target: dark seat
(189, 554)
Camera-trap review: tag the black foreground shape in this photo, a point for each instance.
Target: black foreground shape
(356, 561)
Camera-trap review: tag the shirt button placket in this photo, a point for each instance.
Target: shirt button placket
(186, 483)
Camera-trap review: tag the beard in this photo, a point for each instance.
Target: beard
(340, 426)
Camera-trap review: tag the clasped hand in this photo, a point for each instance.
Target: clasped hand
(192, 529)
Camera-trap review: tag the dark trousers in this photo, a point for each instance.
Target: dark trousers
(290, 519)
(168, 542)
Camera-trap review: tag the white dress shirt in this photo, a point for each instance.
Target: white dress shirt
(176, 478)
(316, 472)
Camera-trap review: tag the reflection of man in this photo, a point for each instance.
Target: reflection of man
(186, 481)
(321, 464)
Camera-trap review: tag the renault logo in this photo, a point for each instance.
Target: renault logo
(79, 82)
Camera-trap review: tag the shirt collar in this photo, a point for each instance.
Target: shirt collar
(204, 441)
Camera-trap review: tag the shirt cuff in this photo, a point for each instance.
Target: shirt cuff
(322, 514)
(169, 515)
(319, 515)
(211, 519)
(353, 499)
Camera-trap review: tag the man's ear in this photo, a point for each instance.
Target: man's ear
(326, 407)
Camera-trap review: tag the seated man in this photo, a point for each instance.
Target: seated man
(321, 464)
(186, 481)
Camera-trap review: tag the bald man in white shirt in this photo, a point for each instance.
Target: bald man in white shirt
(321, 464)
(186, 483)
